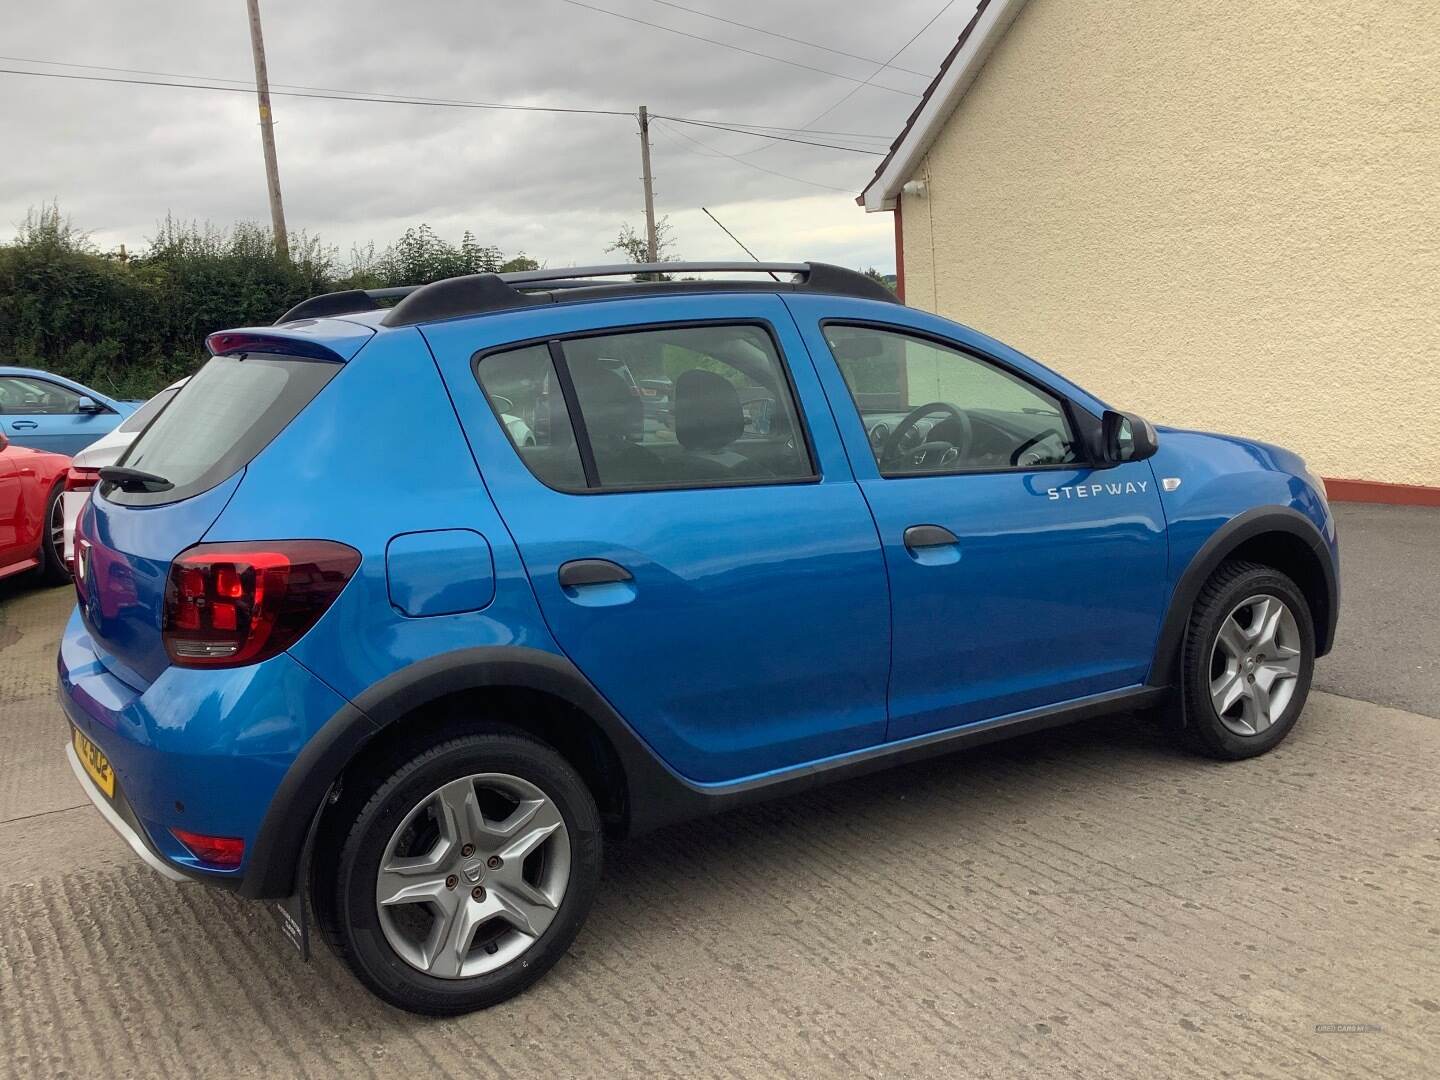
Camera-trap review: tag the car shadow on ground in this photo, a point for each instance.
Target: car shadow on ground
(785, 854)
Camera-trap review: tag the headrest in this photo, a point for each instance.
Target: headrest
(707, 411)
(612, 410)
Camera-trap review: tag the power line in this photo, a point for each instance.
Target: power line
(777, 138)
(795, 130)
(787, 37)
(327, 96)
(322, 92)
(854, 89)
(742, 49)
(250, 83)
(665, 129)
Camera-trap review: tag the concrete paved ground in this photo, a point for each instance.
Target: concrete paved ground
(1085, 902)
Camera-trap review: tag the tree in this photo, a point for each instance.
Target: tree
(888, 280)
(634, 247)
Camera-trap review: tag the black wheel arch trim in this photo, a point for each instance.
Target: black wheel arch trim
(1221, 545)
(276, 855)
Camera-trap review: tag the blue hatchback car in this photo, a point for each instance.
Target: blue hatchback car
(345, 643)
(50, 412)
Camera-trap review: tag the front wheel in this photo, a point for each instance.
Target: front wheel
(467, 874)
(1249, 656)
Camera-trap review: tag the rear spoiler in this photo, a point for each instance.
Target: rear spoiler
(330, 340)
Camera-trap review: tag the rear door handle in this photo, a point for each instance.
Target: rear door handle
(929, 536)
(580, 572)
(23, 425)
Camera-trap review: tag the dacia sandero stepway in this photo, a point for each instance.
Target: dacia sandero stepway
(407, 605)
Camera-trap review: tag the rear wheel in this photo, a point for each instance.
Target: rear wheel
(1249, 657)
(467, 874)
(52, 542)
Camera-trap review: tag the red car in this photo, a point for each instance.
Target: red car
(32, 521)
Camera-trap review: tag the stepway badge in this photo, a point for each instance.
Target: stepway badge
(1095, 491)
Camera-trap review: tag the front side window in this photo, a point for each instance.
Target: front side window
(929, 408)
(24, 396)
(678, 407)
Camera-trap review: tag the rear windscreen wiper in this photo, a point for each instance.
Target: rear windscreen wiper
(134, 479)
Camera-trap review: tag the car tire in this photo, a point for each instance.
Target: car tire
(1249, 654)
(53, 570)
(472, 952)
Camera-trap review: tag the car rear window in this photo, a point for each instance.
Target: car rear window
(219, 421)
(145, 413)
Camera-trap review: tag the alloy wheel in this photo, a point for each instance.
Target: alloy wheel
(56, 532)
(473, 876)
(1255, 664)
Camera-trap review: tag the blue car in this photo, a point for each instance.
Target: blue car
(50, 412)
(345, 643)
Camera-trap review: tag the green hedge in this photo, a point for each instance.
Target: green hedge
(128, 323)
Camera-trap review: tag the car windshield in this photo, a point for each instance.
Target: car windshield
(137, 420)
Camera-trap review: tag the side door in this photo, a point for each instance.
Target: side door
(10, 509)
(1021, 576)
(47, 415)
(712, 568)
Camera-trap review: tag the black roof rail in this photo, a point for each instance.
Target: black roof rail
(478, 293)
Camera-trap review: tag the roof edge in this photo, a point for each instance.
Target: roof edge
(957, 72)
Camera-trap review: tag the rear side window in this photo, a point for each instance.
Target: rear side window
(219, 421)
(137, 420)
(673, 407)
(524, 392)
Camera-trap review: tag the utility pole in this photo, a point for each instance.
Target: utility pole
(267, 134)
(650, 238)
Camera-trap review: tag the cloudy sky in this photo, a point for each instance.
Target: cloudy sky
(119, 157)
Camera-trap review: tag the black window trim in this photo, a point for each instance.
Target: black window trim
(1085, 433)
(555, 343)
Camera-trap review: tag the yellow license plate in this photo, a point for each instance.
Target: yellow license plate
(96, 764)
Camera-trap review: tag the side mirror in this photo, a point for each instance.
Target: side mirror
(1126, 437)
(89, 405)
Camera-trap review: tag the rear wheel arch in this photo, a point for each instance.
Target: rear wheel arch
(1273, 536)
(496, 689)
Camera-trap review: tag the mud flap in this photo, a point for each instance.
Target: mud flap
(290, 913)
(290, 917)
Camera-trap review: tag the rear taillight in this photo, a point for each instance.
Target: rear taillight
(79, 479)
(240, 603)
(80, 568)
(222, 852)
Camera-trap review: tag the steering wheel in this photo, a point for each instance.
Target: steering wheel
(1024, 455)
(937, 453)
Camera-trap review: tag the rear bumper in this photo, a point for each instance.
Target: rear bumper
(119, 817)
(71, 503)
(198, 750)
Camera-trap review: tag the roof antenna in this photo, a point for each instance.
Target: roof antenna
(732, 236)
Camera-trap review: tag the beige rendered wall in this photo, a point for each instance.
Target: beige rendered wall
(1223, 215)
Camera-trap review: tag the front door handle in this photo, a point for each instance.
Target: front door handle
(929, 536)
(581, 572)
(932, 545)
(23, 425)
